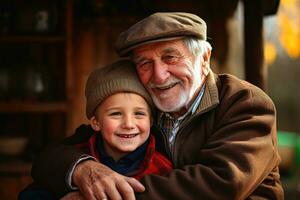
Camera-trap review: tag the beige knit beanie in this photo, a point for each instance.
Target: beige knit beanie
(119, 76)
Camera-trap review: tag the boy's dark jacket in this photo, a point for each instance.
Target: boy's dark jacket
(226, 150)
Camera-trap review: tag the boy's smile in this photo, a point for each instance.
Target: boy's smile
(124, 122)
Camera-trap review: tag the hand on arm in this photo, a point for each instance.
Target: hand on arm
(59, 159)
(97, 181)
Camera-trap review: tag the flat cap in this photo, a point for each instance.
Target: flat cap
(161, 26)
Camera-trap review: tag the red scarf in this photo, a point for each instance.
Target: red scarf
(153, 163)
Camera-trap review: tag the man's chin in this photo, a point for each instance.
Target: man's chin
(176, 106)
(167, 106)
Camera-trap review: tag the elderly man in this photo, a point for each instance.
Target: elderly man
(220, 131)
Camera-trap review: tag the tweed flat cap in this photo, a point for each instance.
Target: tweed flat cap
(161, 26)
(117, 77)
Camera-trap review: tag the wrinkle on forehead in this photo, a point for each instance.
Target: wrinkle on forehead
(158, 48)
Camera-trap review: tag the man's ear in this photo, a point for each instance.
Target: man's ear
(95, 124)
(206, 62)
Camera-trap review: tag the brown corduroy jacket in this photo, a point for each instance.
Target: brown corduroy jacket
(227, 150)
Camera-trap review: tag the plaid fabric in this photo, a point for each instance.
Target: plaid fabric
(153, 163)
(170, 125)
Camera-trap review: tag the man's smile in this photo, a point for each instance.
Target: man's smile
(166, 87)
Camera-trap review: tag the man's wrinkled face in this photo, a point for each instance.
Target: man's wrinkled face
(170, 72)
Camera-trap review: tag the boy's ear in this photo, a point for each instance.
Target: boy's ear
(95, 124)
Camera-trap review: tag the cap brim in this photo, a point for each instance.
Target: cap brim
(126, 51)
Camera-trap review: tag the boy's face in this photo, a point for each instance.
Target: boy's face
(124, 120)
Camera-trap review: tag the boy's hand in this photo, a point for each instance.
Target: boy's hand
(98, 182)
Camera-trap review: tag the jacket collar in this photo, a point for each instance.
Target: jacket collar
(210, 98)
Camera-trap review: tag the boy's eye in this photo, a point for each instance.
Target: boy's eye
(140, 113)
(115, 114)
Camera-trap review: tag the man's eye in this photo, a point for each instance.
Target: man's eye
(170, 59)
(144, 65)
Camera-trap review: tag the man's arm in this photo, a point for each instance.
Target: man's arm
(53, 166)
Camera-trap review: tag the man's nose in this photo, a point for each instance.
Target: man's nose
(160, 73)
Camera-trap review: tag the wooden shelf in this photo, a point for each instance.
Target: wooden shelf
(40, 118)
(34, 107)
(32, 39)
(16, 166)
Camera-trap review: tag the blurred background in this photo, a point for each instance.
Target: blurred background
(48, 48)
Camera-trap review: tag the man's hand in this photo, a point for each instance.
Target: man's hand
(98, 182)
(73, 196)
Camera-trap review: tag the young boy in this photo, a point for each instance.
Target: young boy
(119, 110)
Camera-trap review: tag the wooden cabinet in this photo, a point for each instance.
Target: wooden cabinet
(36, 84)
(14, 176)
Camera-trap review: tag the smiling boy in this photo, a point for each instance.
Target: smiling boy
(120, 113)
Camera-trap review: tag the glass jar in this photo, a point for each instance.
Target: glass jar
(35, 83)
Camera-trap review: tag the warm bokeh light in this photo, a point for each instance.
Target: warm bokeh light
(288, 36)
(288, 3)
(270, 52)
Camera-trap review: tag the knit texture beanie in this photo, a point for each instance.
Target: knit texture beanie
(117, 77)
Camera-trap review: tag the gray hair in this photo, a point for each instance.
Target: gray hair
(196, 46)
